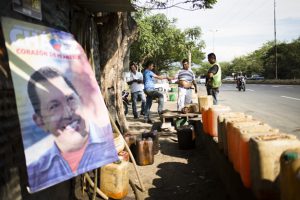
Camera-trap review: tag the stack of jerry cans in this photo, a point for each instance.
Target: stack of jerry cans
(222, 126)
(290, 174)
(265, 152)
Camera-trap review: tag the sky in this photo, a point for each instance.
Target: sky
(234, 28)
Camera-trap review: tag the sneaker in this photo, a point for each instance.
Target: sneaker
(148, 121)
(135, 117)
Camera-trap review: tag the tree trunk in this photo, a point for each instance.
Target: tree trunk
(116, 34)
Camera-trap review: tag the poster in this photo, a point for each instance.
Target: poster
(64, 122)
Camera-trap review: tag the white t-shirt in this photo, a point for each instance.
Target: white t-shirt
(136, 87)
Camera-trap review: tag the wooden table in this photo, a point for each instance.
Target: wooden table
(177, 114)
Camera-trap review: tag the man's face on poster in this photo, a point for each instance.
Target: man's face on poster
(61, 113)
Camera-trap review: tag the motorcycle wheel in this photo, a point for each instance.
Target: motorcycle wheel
(244, 87)
(125, 106)
(240, 87)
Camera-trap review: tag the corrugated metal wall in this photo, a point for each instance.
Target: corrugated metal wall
(12, 161)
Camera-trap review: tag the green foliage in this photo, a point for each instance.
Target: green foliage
(226, 70)
(186, 5)
(288, 61)
(202, 70)
(173, 70)
(262, 61)
(160, 41)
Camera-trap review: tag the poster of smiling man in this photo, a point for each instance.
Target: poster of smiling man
(64, 122)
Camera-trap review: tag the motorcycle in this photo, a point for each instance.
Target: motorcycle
(125, 100)
(241, 83)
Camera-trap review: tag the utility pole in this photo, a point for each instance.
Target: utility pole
(213, 41)
(190, 58)
(275, 41)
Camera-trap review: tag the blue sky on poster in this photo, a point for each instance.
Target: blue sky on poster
(237, 27)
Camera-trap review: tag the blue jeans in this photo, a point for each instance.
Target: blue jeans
(151, 94)
(135, 96)
(214, 92)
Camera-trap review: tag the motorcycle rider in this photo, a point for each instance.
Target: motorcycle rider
(240, 77)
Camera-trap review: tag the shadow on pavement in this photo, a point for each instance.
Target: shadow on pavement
(191, 178)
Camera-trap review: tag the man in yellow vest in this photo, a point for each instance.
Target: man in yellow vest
(213, 79)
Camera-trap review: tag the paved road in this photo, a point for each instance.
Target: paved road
(277, 105)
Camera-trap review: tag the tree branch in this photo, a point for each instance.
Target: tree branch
(158, 5)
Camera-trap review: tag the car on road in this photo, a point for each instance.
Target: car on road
(256, 77)
(228, 78)
(201, 79)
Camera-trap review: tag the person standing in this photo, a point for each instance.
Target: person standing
(186, 78)
(213, 79)
(149, 89)
(136, 87)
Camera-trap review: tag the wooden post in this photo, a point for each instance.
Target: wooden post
(129, 151)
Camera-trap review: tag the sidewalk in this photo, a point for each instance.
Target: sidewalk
(175, 174)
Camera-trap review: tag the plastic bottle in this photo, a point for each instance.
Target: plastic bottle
(114, 180)
(213, 113)
(265, 152)
(144, 151)
(289, 174)
(222, 127)
(155, 138)
(186, 137)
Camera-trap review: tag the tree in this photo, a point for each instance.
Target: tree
(190, 5)
(256, 60)
(288, 60)
(252, 63)
(226, 70)
(117, 33)
(202, 70)
(194, 44)
(262, 61)
(159, 40)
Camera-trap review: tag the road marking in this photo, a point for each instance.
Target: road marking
(287, 86)
(291, 98)
(250, 90)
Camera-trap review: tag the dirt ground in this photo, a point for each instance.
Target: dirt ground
(175, 174)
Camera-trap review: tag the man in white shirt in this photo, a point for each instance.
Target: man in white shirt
(136, 85)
